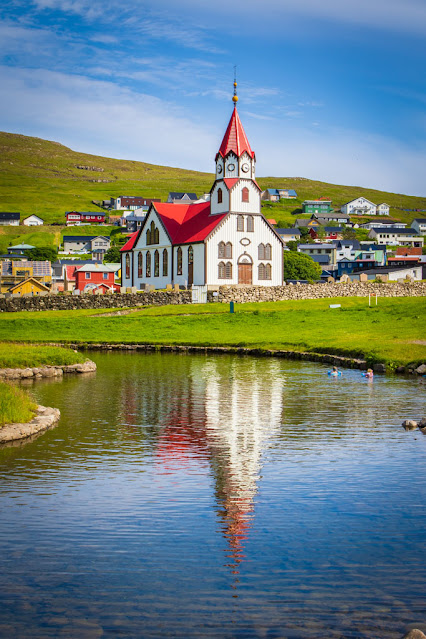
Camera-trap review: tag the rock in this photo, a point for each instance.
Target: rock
(421, 370)
(422, 423)
(414, 634)
(44, 418)
(27, 372)
(379, 368)
(400, 370)
(409, 424)
(86, 367)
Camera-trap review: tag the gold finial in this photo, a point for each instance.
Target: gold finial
(235, 96)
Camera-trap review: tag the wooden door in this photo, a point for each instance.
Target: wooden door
(190, 273)
(245, 274)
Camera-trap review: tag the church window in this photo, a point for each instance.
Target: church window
(261, 252)
(221, 270)
(268, 252)
(228, 249)
(165, 263)
(268, 272)
(219, 196)
(148, 264)
(179, 261)
(245, 194)
(221, 249)
(264, 272)
(228, 270)
(140, 263)
(156, 264)
(261, 272)
(190, 255)
(250, 224)
(127, 266)
(152, 234)
(240, 223)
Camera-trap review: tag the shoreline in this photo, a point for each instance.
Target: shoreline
(44, 419)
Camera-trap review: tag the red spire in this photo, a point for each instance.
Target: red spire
(235, 138)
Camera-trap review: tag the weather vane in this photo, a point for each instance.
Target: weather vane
(235, 96)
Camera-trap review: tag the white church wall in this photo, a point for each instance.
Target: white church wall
(215, 206)
(236, 203)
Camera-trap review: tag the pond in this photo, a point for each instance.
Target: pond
(216, 496)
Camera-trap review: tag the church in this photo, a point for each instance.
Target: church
(226, 241)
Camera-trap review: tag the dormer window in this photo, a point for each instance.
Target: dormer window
(219, 196)
(245, 195)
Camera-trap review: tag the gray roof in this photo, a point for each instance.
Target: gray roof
(288, 231)
(39, 268)
(9, 216)
(397, 230)
(178, 196)
(352, 243)
(100, 268)
(83, 238)
(422, 220)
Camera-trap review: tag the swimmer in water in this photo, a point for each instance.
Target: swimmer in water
(334, 372)
(369, 373)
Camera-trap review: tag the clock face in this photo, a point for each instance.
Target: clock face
(231, 167)
(219, 168)
(245, 167)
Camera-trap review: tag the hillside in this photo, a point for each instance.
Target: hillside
(38, 176)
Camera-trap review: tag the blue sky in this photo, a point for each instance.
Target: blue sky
(332, 90)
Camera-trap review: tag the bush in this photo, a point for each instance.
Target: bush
(300, 267)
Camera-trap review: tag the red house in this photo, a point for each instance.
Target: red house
(76, 217)
(95, 277)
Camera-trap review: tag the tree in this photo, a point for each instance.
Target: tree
(298, 266)
(292, 245)
(112, 255)
(348, 233)
(42, 253)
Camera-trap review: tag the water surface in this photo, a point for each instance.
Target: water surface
(216, 496)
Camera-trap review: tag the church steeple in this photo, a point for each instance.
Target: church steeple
(235, 138)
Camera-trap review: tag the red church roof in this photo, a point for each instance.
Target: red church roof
(130, 242)
(187, 223)
(235, 138)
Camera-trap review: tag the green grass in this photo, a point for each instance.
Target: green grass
(38, 176)
(24, 355)
(15, 405)
(389, 333)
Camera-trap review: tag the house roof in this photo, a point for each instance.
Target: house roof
(96, 268)
(29, 279)
(357, 198)
(187, 223)
(175, 195)
(86, 212)
(288, 231)
(331, 216)
(83, 238)
(33, 215)
(278, 191)
(22, 247)
(421, 220)
(40, 269)
(9, 216)
(235, 138)
(396, 230)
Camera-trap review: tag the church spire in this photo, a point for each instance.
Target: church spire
(235, 138)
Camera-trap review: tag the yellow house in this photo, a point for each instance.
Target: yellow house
(17, 271)
(30, 285)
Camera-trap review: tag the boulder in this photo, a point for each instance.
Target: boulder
(414, 634)
(379, 368)
(421, 370)
(409, 424)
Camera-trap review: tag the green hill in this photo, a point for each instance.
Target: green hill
(42, 177)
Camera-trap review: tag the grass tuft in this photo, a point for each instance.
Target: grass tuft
(15, 405)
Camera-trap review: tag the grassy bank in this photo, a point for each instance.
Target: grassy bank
(15, 405)
(26, 355)
(392, 332)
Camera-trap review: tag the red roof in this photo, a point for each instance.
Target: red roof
(235, 138)
(130, 242)
(186, 223)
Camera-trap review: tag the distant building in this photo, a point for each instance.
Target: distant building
(30, 286)
(317, 207)
(419, 225)
(19, 249)
(289, 235)
(382, 222)
(14, 272)
(333, 216)
(33, 220)
(328, 232)
(95, 277)
(9, 219)
(77, 217)
(383, 209)
(97, 245)
(181, 198)
(396, 236)
(274, 195)
(360, 206)
(132, 202)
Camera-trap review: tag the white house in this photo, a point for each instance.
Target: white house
(419, 225)
(33, 220)
(226, 241)
(383, 209)
(360, 206)
(396, 237)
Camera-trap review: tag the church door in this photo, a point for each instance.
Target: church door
(245, 275)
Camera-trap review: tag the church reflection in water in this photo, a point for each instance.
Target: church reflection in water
(224, 414)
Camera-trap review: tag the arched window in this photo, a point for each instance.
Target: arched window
(148, 264)
(261, 272)
(219, 196)
(140, 265)
(127, 265)
(228, 270)
(221, 249)
(221, 270)
(240, 223)
(250, 223)
(179, 261)
(152, 234)
(268, 272)
(148, 237)
(156, 264)
(190, 255)
(261, 252)
(245, 195)
(165, 263)
(156, 236)
(268, 252)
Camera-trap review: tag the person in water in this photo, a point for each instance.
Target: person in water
(334, 372)
(369, 373)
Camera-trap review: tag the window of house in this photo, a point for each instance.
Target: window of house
(87, 276)
(156, 264)
(228, 249)
(179, 261)
(261, 272)
(228, 270)
(240, 223)
(250, 223)
(219, 196)
(165, 263)
(127, 265)
(190, 255)
(245, 194)
(140, 263)
(105, 276)
(148, 264)
(268, 252)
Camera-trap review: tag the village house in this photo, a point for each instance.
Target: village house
(382, 209)
(274, 195)
(381, 222)
(335, 216)
(33, 220)
(74, 218)
(321, 207)
(396, 236)
(389, 273)
(96, 278)
(289, 235)
(19, 249)
(360, 206)
(30, 286)
(97, 245)
(132, 202)
(326, 232)
(17, 271)
(226, 240)
(419, 225)
(181, 198)
(324, 254)
(9, 219)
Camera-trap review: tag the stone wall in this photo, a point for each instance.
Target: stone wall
(225, 294)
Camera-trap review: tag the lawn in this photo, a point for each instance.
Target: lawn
(15, 405)
(27, 355)
(392, 332)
